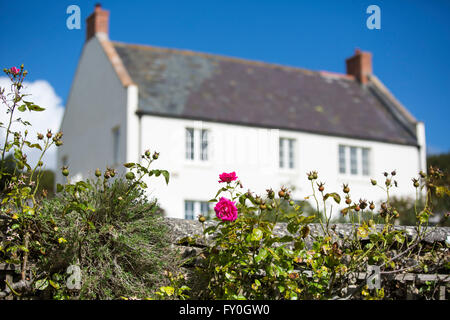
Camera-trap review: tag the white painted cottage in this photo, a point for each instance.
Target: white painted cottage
(207, 114)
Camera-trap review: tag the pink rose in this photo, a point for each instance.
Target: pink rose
(227, 177)
(226, 210)
(15, 70)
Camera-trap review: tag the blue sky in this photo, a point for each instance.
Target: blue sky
(411, 52)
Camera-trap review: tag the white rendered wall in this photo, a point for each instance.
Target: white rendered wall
(97, 103)
(253, 154)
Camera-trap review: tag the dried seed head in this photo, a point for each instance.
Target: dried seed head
(270, 193)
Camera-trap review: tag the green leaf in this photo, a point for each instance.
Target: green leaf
(128, 165)
(41, 284)
(293, 227)
(54, 284)
(36, 145)
(34, 107)
(220, 190)
(261, 255)
(334, 195)
(257, 234)
(167, 290)
(59, 187)
(22, 108)
(166, 175)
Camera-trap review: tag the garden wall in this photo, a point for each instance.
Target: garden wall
(184, 237)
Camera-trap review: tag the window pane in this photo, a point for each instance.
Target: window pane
(365, 161)
(204, 209)
(204, 145)
(189, 210)
(281, 152)
(190, 143)
(291, 153)
(342, 168)
(353, 160)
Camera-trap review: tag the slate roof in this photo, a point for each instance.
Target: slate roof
(192, 85)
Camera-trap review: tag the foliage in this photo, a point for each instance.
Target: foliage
(106, 226)
(113, 233)
(246, 259)
(20, 202)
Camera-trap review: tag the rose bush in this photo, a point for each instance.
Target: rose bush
(245, 259)
(226, 210)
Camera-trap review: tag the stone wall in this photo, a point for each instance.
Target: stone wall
(183, 232)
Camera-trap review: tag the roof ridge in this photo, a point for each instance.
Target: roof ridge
(217, 56)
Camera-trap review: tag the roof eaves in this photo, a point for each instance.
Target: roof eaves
(115, 60)
(265, 126)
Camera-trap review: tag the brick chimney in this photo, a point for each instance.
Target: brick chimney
(97, 22)
(360, 65)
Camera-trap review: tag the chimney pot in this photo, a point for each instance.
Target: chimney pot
(360, 65)
(97, 22)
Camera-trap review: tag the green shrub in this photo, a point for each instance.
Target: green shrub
(245, 259)
(122, 249)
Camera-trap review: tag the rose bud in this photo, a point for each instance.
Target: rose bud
(49, 134)
(393, 173)
(315, 176)
(65, 171)
(321, 186)
(155, 155)
(372, 205)
(374, 182)
(270, 193)
(348, 200)
(129, 175)
(281, 193)
(98, 173)
(40, 136)
(147, 153)
(345, 188)
(202, 218)
(362, 204)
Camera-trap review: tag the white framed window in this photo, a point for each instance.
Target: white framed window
(189, 210)
(194, 208)
(116, 137)
(354, 160)
(197, 144)
(286, 153)
(204, 145)
(189, 143)
(342, 162)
